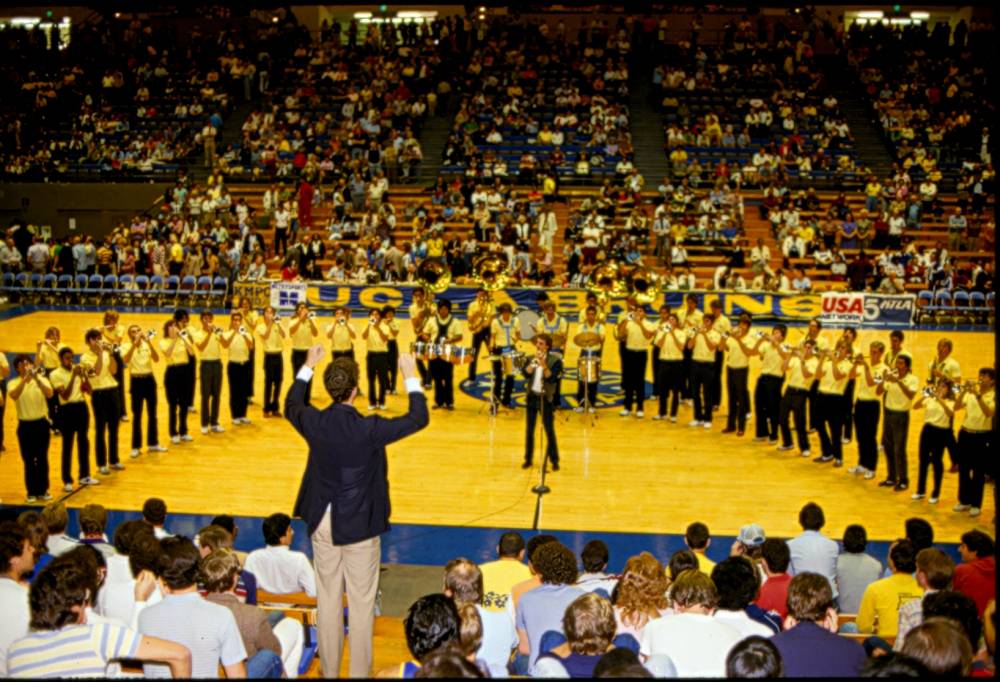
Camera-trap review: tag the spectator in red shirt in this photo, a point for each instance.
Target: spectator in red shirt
(774, 592)
(976, 576)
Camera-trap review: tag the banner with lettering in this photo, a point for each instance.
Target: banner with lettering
(843, 308)
(286, 295)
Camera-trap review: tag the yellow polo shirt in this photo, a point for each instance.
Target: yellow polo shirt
(934, 413)
(103, 380)
(895, 399)
(770, 360)
(434, 327)
(949, 367)
(547, 326)
(180, 354)
(736, 358)
(882, 600)
(722, 324)
(701, 351)
(863, 391)
(340, 336)
(239, 347)
(502, 332)
(374, 340)
(48, 356)
(829, 383)
(31, 405)
(60, 380)
(691, 318)
(796, 379)
(975, 420)
(115, 334)
(141, 362)
(669, 351)
(213, 349)
(302, 338)
(634, 338)
(273, 341)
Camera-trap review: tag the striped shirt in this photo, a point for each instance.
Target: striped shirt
(73, 651)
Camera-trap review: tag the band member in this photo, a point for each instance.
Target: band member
(183, 321)
(69, 383)
(850, 337)
(444, 328)
(421, 313)
(723, 326)
(391, 326)
(939, 411)
(207, 342)
(895, 348)
(813, 333)
(303, 330)
(737, 376)
(586, 391)
(376, 335)
(974, 440)
(47, 357)
(833, 371)
(101, 366)
(502, 336)
(800, 368)
(542, 374)
(553, 324)
(29, 392)
(250, 320)
(4, 373)
(114, 333)
(899, 388)
(480, 314)
(690, 318)
(177, 351)
(654, 352)
(239, 341)
(703, 345)
(670, 340)
(272, 336)
(592, 300)
(945, 366)
(638, 334)
(341, 334)
(140, 354)
(767, 392)
(868, 408)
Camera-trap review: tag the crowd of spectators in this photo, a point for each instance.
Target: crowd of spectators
(803, 606)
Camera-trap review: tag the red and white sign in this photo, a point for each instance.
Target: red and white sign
(841, 307)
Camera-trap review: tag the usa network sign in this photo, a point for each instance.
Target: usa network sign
(847, 308)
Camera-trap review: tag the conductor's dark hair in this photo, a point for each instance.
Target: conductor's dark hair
(340, 378)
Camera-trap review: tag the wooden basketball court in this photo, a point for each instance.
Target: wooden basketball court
(620, 474)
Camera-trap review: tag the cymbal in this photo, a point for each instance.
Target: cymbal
(558, 340)
(587, 340)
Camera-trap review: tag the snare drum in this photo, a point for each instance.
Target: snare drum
(589, 369)
(444, 351)
(510, 361)
(461, 356)
(421, 349)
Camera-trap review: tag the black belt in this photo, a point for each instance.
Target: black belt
(142, 376)
(217, 360)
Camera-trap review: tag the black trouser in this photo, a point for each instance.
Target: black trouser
(33, 438)
(537, 402)
(107, 417)
(280, 241)
(424, 373)
(175, 381)
(813, 411)
(931, 454)
(120, 378)
(299, 359)
(767, 405)
(393, 361)
(252, 370)
(3, 408)
(74, 420)
(847, 409)
(739, 397)
(211, 391)
(634, 378)
(894, 434)
(686, 374)
(53, 405)
(443, 374)
(831, 424)
(189, 382)
(378, 368)
(716, 385)
(480, 338)
(342, 354)
(701, 388)
(273, 371)
(503, 386)
(866, 416)
(239, 388)
(951, 445)
(143, 390)
(974, 463)
(654, 354)
(794, 402)
(669, 375)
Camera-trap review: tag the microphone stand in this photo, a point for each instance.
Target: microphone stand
(541, 489)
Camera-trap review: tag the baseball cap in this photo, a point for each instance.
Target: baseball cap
(751, 536)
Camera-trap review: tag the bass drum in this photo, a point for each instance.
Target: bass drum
(526, 321)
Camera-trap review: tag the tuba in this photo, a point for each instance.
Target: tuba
(433, 276)
(605, 280)
(643, 284)
(490, 272)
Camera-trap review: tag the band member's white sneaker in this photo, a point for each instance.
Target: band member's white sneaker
(640, 414)
(68, 488)
(694, 423)
(135, 453)
(187, 438)
(657, 417)
(624, 413)
(89, 480)
(204, 430)
(156, 448)
(707, 425)
(176, 440)
(592, 410)
(217, 429)
(673, 420)
(578, 409)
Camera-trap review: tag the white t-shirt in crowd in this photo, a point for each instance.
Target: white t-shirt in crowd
(697, 644)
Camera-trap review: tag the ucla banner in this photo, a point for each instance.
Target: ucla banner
(569, 302)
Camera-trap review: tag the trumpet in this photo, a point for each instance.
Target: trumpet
(184, 333)
(311, 315)
(151, 333)
(242, 330)
(217, 330)
(786, 348)
(691, 332)
(929, 392)
(666, 328)
(760, 335)
(341, 321)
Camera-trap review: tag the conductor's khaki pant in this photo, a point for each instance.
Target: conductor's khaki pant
(357, 567)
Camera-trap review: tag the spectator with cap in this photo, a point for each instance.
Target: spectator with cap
(154, 512)
(748, 543)
(775, 558)
(855, 569)
(935, 570)
(811, 551)
(976, 576)
(878, 612)
(738, 584)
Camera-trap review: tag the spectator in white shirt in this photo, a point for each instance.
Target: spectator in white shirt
(696, 642)
(17, 559)
(277, 568)
(56, 519)
(738, 585)
(801, 283)
(595, 559)
(463, 582)
(760, 257)
(812, 552)
(154, 512)
(124, 596)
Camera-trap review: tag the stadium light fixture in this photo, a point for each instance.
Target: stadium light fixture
(362, 15)
(871, 14)
(920, 16)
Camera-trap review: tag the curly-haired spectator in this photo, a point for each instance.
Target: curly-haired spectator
(541, 609)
